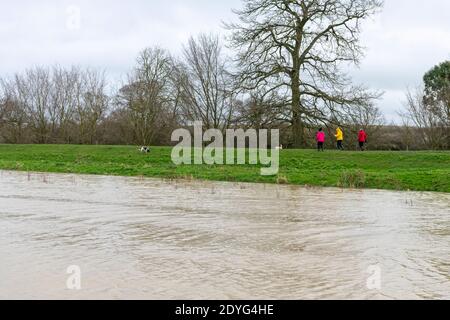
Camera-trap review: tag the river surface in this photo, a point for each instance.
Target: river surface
(135, 238)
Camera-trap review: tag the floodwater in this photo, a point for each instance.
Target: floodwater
(136, 238)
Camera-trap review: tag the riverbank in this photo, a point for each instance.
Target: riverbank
(417, 171)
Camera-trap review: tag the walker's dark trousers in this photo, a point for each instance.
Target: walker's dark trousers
(320, 146)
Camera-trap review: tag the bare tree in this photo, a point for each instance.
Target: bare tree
(34, 94)
(367, 117)
(260, 111)
(92, 104)
(55, 104)
(206, 84)
(146, 95)
(298, 46)
(408, 133)
(431, 130)
(13, 118)
(66, 96)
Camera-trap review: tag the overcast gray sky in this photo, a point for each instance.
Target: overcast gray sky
(403, 42)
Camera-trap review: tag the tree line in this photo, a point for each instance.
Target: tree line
(285, 70)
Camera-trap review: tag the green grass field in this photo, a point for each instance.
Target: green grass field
(420, 171)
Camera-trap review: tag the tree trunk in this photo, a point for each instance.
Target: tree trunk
(297, 123)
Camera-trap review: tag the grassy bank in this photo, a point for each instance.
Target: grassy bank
(420, 171)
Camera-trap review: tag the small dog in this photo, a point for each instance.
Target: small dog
(279, 148)
(144, 150)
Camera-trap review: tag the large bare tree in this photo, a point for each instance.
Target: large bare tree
(298, 47)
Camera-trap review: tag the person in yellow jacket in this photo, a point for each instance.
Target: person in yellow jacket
(340, 138)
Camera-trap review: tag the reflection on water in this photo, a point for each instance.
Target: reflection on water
(151, 239)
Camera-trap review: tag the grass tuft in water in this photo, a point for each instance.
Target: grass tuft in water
(355, 179)
(282, 180)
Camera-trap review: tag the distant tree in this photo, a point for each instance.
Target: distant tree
(54, 105)
(428, 108)
(93, 107)
(260, 111)
(146, 96)
(437, 84)
(367, 117)
(437, 95)
(407, 134)
(300, 47)
(13, 120)
(66, 96)
(33, 90)
(423, 116)
(206, 86)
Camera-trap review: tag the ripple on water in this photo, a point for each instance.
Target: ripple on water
(145, 238)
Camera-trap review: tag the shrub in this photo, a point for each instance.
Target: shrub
(282, 180)
(352, 179)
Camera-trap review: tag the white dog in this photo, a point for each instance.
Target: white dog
(279, 148)
(144, 149)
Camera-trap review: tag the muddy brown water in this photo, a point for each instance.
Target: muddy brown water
(136, 238)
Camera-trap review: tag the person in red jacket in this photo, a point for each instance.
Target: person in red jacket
(362, 138)
(320, 139)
